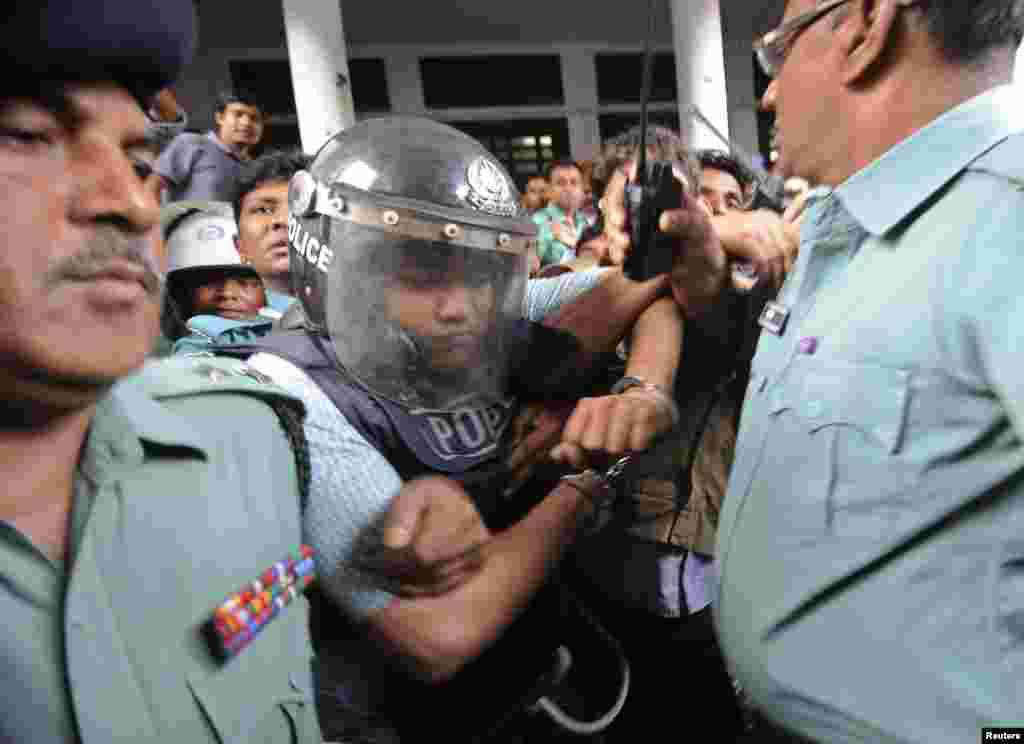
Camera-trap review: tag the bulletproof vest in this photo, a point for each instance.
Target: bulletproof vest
(467, 446)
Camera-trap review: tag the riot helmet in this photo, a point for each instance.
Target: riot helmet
(410, 251)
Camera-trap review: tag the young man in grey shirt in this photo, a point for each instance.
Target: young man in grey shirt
(207, 167)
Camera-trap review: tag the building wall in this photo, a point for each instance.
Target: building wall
(224, 37)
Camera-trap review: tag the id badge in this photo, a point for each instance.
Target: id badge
(773, 318)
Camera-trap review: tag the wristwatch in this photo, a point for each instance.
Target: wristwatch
(665, 397)
(625, 383)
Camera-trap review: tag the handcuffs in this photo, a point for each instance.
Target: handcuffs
(603, 498)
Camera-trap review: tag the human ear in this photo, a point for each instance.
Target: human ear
(865, 34)
(241, 254)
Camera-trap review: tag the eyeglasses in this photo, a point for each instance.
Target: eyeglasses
(772, 48)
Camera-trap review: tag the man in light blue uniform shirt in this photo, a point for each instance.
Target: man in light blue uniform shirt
(871, 546)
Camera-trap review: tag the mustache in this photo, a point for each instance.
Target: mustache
(106, 245)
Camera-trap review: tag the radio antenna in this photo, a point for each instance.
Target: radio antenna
(645, 94)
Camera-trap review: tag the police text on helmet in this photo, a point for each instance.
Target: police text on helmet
(308, 247)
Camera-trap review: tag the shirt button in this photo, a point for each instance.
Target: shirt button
(808, 345)
(294, 680)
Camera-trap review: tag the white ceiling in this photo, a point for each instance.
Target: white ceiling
(625, 21)
(433, 22)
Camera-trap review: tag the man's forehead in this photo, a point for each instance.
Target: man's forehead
(80, 104)
(243, 108)
(268, 191)
(99, 100)
(712, 176)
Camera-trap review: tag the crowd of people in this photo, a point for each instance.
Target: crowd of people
(772, 490)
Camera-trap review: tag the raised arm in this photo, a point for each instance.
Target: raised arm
(602, 317)
(435, 636)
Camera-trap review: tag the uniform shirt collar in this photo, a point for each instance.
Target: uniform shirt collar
(127, 426)
(888, 190)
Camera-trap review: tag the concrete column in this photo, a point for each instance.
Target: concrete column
(739, 29)
(743, 103)
(700, 69)
(405, 85)
(319, 64)
(579, 82)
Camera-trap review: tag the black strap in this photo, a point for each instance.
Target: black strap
(290, 414)
(743, 333)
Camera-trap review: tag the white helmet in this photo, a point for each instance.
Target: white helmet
(200, 241)
(198, 235)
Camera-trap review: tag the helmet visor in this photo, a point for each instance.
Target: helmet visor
(424, 322)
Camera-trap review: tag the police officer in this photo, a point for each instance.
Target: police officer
(409, 256)
(870, 548)
(130, 511)
(131, 507)
(212, 297)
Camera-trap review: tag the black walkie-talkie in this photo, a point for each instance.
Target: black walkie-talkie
(653, 190)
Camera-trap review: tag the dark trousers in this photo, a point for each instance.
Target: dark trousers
(679, 681)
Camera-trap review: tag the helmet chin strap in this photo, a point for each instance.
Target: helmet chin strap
(416, 348)
(417, 365)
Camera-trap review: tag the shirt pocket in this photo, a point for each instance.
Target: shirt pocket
(245, 705)
(850, 420)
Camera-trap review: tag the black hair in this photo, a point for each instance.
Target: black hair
(666, 145)
(227, 97)
(271, 167)
(965, 30)
(723, 161)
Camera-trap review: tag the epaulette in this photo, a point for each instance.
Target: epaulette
(204, 373)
